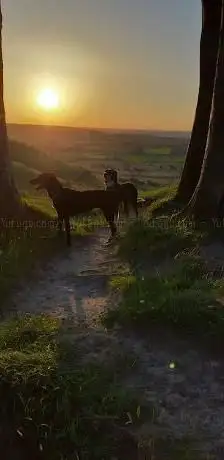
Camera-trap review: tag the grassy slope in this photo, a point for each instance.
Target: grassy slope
(52, 407)
(27, 162)
(171, 284)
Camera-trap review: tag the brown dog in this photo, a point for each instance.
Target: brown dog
(127, 190)
(69, 203)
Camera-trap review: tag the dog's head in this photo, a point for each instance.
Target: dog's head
(45, 181)
(110, 177)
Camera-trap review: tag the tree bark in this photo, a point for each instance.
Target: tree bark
(211, 21)
(9, 196)
(209, 192)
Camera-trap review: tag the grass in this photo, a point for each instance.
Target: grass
(183, 449)
(184, 299)
(160, 150)
(163, 200)
(21, 250)
(159, 192)
(157, 237)
(138, 157)
(54, 410)
(24, 244)
(39, 203)
(181, 294)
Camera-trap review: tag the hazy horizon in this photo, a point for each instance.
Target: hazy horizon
(119, 66)
(113, 129)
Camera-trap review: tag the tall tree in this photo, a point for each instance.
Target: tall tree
(9, 197)
(209, 192)
(211, 21)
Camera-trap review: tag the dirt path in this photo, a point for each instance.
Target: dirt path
(74, 286)
(189, 395)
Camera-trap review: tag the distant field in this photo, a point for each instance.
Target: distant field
(79, 157)
(160, 150)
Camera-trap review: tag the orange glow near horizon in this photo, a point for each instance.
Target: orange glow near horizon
(52, 100)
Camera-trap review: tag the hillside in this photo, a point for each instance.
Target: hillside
(79, 156)
(28, 161)
(54, 139)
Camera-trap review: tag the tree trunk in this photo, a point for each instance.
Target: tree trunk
(9, 197)
(209, 192)
(211, 21)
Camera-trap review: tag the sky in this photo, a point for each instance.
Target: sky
(127, 64)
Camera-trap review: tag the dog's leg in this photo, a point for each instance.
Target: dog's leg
(136, 209)
(136, 204)
(112, 225)
(60, 224)
(118, 216)
(68, 231)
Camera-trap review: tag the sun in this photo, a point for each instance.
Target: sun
(48, 99)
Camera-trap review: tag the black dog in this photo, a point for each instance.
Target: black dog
(69, 203)
(127, 190)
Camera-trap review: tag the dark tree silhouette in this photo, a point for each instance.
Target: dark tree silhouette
(211, 21)
(209, 192)
(9, 197)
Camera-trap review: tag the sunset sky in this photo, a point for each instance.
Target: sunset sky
(112, 63)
